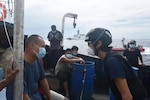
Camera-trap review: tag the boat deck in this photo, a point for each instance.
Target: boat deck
(100, 91)
(95, 96)
(100, 97)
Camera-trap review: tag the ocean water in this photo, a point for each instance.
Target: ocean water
(116, 44)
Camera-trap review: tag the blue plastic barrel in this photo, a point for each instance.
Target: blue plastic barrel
(82, 79)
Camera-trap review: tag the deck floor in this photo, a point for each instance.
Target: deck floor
(95, 96)
(100, 97)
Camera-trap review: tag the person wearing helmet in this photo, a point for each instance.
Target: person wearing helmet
(117, 71)
(133, 54)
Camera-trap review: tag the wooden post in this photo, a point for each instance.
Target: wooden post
(18, 47)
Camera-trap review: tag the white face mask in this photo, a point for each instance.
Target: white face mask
(74, 54)
(90, 51)
(41, 53)
(69, 55)
(132, 46)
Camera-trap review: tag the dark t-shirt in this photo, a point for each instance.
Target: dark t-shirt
(32, 74)
(114, 69)
(132, 56)
(55, 38)
(117, 67)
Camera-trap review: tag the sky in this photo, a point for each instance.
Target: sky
(123, 18)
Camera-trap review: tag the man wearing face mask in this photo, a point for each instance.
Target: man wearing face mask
(33, 71)
(133, 54)
(118, 72)
(75, 50)
(63, 69)
(34, 75)
(55, 37)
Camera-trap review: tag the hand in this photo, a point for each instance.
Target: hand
(26, 97)
(143, 65)
(11, 73)
(81, 61)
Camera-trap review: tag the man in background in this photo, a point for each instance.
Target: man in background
(55, 51)
(64, 67)
(133, 54)
(74, 50)
(55, 37)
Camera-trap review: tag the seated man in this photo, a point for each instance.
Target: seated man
(63, 68)
(74, 50)
(34, 75)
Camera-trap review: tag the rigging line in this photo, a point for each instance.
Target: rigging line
(6, 32)
(11, 48)
(7, 36)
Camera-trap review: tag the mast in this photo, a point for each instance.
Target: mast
(18, 47)
(70, 15)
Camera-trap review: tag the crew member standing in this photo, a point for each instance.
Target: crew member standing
(133, 54)
(55, 37)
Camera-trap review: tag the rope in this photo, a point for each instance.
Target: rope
(9, 42)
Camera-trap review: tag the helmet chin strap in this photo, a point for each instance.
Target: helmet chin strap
(97, 51)
(101, 48)
(97, 47)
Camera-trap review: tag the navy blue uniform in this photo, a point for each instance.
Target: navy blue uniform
(55, 38)
(118, 68)
(132, 56)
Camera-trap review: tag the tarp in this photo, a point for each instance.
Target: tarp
(3, 38)
(9, 27)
